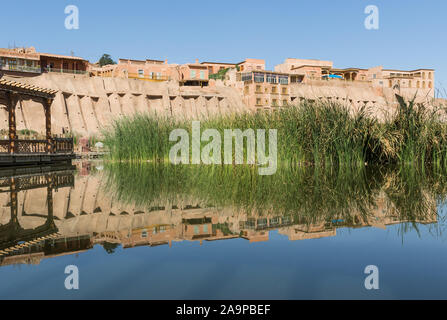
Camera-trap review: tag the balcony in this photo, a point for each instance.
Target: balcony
(67, 71)
(148, 78)
(10, 67)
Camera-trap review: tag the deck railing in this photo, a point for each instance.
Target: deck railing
(11, 67)
(22, 146)
(57, 70)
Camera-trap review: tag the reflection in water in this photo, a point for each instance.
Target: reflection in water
(47, 212)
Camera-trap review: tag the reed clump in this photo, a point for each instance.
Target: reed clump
(313, 133)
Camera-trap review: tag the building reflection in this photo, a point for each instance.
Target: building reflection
(47, 213)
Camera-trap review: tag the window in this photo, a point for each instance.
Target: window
(259, 77)
(246, 76)
(193, 74)
(144, 233)
(283, 79)
(262, 223)
(284, 102)
(205, 228)
(141, 73)
(202, 74)
(374, 76)
(274, 90)
(284, 90)
(258, 89)
(258, 102)
(151, 75)
(409, 83)
(272, 78)
(274, 102)
(158, 75)
(423, 84)
(196, 229)
(246, 89)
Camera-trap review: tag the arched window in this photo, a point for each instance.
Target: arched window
(418, 84)
(423, 84)
(430, 85)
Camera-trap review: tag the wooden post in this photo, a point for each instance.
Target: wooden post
(50, 219)
(13, 199)
(47, 107)
(12, 121)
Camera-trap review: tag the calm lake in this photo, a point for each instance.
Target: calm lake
(155, 231)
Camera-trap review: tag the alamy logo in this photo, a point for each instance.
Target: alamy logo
(72, 280)
(211, 153)
(72, 20)
(372, 20)
(372, 280)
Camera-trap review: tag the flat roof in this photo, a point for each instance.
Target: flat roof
(266, 71)
(227, 63)
(407, 70)
(60, 56)
(310, 65)
(196, 66)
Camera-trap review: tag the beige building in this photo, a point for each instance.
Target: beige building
(265, 89)
(149, 69)
(26, 62)
(298, 79)
(215, 67)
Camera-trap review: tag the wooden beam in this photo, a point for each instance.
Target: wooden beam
(12, 121)
(47, 107)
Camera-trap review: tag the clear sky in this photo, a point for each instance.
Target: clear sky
(411, 34)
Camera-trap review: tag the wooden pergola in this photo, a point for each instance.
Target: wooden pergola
(11, 92)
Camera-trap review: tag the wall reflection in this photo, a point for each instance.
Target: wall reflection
(49, 212)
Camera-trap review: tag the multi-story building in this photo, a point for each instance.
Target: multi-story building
(149, 69)
(29, 62)
(251, 65)
(20, 61)
(194, 74)
(265, 89)
(301, 78)
(215, 67)
(63, 64)
(304, 71)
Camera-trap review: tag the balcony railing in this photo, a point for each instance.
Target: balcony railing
(21, 146)
(11, 67)
(68, 71)
(148, 78)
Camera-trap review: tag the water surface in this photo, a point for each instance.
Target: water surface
(200, 232)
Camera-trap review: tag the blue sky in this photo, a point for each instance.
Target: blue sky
(411, 32)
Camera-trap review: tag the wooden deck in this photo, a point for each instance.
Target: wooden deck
(29, 152)
(15, 151)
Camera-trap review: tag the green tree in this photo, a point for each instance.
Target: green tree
(110, 247)
(105, 60)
